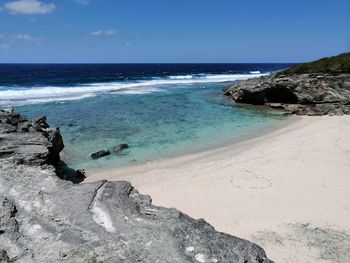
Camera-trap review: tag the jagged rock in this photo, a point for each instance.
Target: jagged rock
(100, 154)
(55, 138)
(304, 94)
(30, 147)
(8, 223)
(41, 121)
(46, 219)
(7, 110)
(80, 173)
(316, 88)
(119, 148)
(3, 256)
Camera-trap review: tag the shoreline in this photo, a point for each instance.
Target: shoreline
(94, 222)
(286, 190)
(208, 150)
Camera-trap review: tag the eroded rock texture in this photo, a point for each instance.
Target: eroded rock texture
(46, 219)
(302, 94)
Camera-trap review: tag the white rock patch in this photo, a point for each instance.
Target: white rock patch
(200, 258)
(100, 216)
(32, 230)
(189, 249)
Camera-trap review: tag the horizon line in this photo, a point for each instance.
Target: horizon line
(147, 63)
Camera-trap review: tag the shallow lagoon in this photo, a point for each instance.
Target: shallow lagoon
(174, 120)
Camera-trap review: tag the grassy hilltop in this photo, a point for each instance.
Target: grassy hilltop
(332, 65)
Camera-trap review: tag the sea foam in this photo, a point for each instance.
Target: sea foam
(30, 95)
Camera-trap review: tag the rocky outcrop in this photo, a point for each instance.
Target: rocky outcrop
(100, 154)
(302, 94)
(37, 143)
(119, 148)
(317, 88)
(46, 219)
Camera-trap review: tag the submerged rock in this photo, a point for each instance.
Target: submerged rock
(100, 154)
(119, 148)
(46, 219)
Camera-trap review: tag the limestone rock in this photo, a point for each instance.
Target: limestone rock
(303, 94)
(3, 256)
(46, 219)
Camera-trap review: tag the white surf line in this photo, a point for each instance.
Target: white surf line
(57, 93)
(99, 215)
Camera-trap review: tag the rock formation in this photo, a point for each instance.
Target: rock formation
(118, 149)
(299, 90)
(100, 154)
(46, 219)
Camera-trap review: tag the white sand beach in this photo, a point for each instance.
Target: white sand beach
(287, 190)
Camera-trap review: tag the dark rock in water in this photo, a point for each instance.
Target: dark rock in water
(71, 124)
(119, 148)
(303, 94)
(46, 219)
(100, 154)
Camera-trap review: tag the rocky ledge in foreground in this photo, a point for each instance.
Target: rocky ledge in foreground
(46, 219)
(317, 88)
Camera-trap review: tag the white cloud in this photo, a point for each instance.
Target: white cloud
(106, 32)
(8, 40)
(4, 45)
(27, 37)
(29, 7)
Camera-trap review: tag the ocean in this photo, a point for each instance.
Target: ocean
(159, 110)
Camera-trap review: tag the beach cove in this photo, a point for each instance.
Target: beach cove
(286, 190)
(174, 131)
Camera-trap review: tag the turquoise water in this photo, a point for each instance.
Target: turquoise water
(159, 110)
(171, 120)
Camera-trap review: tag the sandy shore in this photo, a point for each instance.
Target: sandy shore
(288, 190)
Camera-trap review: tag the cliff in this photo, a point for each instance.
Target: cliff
(46, 219)
(317, 88)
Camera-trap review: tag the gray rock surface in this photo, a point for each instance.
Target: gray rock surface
(46, 219)
(3, 256)
(302, 94)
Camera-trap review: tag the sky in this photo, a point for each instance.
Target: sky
(172, 31)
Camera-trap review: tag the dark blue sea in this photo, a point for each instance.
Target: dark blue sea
(160, 110)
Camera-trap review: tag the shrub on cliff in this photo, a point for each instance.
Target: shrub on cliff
(332, 65)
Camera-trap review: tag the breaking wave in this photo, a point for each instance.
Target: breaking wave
(30, 95)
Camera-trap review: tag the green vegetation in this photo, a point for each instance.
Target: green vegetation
(332, 65)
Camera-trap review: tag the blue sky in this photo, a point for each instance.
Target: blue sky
(172, 30)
